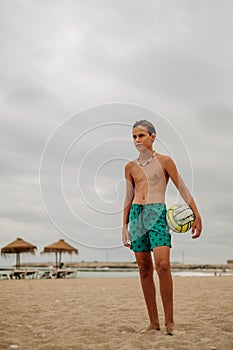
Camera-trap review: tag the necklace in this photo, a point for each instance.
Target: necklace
(147, 162)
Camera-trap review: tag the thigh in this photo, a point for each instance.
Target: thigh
(144, 259)
(161, 254)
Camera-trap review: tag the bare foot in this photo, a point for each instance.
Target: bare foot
(173, 330)
(151, 327)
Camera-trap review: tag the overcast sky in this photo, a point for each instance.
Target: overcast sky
(74, 76)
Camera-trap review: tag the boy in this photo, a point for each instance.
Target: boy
(145, 212)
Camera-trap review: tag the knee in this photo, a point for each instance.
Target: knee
(146, 271)
(162, 266)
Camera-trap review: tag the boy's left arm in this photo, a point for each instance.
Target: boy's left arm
(172, 172)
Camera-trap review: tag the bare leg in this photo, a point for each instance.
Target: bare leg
(162, 263)
(146, 270)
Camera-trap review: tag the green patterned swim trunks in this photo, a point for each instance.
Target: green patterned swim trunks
(148, 227)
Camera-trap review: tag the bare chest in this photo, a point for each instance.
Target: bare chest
(149, 175)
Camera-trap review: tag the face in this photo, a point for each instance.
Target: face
(142, 139)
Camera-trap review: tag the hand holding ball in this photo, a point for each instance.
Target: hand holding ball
(180, 218)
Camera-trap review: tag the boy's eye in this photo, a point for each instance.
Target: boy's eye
(140, 135)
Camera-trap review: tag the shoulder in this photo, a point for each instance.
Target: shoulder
(164, 158)
(130, 167)
(166, 161)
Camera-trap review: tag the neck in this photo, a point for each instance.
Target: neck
(146, 154)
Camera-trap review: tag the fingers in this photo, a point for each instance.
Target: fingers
(196, 229)
(126, 239)
(196, 232)
(196, 235)
(127, 243)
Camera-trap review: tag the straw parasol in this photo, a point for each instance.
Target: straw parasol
(17, 247)
(59, 247)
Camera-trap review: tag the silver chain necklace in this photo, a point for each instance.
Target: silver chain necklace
(147, 162)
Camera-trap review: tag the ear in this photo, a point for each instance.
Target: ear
(153, 137)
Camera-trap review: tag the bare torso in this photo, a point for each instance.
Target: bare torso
(150, 182)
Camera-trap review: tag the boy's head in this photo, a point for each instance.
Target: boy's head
(143, 135)
(145, 124)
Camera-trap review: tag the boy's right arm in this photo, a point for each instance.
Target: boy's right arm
(127, 205)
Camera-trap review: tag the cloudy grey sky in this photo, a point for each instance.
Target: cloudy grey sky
(74, 76)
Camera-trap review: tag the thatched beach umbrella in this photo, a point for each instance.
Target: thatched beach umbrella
(58, 248)
(17, 247)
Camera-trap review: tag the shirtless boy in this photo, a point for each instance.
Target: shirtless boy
(145, 212)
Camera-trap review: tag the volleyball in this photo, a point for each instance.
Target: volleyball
(180, 218)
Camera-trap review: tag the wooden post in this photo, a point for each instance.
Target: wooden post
(59, 258)
(18, 260)
(56, 261)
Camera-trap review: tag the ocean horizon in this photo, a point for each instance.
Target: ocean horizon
(116, 273)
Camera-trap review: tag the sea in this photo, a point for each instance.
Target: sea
(113, 273)
(129, 274)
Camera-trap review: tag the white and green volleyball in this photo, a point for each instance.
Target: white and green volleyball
(180, 218)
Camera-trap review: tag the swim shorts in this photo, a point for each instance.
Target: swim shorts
(148, 227)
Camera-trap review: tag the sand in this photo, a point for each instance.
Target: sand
(108, 313)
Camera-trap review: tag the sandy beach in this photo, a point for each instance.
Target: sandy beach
(109, 313)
